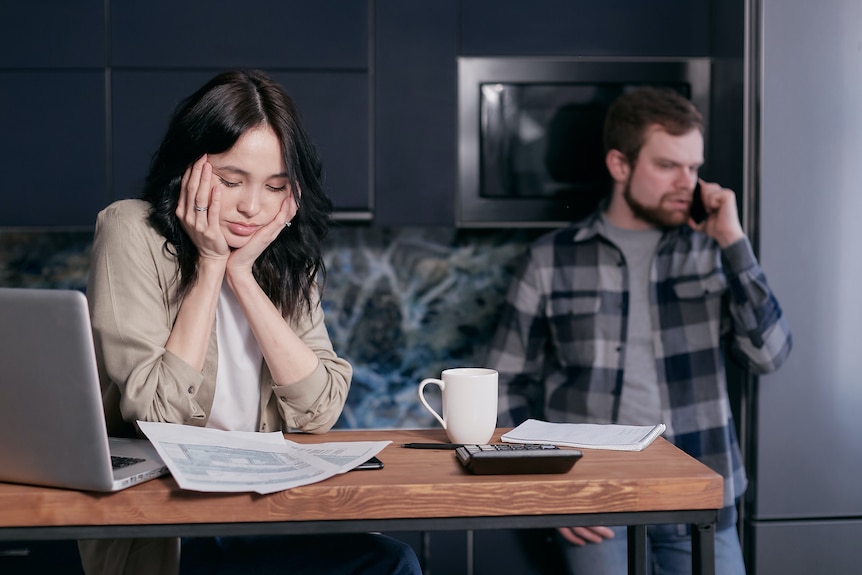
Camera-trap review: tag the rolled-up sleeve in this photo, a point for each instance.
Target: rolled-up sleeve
(132, 320)
(314, 404)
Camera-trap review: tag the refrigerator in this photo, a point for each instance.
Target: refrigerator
(802, 433)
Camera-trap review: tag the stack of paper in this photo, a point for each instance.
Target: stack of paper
(587, 435)
(203, 459)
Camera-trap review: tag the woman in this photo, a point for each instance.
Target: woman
(206, 311)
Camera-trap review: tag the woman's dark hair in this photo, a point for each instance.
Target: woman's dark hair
(210, 121)
(631, 115)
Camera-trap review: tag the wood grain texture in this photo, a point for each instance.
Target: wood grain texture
(414, 483)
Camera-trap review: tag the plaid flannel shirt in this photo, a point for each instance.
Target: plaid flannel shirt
(560, 346)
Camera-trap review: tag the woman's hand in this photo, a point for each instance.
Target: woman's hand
(243, 259)
(290, 359)
(198, 210)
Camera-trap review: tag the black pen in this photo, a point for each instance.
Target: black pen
(432, 445)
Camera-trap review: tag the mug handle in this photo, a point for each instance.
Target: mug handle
(431, 381)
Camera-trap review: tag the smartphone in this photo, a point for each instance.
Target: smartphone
(698, 210)
(373, 463)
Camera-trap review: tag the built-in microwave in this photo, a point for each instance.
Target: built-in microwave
(530, 151)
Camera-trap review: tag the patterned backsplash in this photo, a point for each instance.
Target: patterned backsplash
(401, 304)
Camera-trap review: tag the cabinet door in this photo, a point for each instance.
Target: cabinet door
(141, 105)
(227, 34)
(39, 34)
(804, 547)
(52, 94)
(563, 27)
(415, 112)
(53, 149)
(333, 106)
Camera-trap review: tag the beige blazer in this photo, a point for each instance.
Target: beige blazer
(132, 280)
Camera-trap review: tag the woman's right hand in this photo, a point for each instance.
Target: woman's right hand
(198, 210)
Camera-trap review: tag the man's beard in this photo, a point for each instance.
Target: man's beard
(655, 216)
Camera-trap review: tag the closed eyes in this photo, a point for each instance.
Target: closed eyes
(229, 184)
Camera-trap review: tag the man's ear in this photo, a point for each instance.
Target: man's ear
(618, 165)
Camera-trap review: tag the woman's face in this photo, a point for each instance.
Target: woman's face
(253, 181)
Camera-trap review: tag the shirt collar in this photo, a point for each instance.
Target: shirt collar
(591, 227)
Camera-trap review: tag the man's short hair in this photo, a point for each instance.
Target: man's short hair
(634, 112)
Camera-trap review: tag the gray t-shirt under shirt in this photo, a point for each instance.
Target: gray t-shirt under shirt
(640, 403)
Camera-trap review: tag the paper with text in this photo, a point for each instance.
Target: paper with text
(203, 459)
(586, 435)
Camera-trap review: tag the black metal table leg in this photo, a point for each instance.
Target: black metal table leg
(703, 549)
(637, 548)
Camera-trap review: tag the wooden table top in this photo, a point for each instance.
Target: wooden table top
(414, 483)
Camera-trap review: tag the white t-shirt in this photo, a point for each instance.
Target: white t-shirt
(236, 405)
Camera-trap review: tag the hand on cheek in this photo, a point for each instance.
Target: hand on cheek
(242, 259)
(199, 208)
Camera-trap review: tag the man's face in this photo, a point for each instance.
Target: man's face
(659, 187)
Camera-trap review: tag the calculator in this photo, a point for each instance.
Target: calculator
(510, 458)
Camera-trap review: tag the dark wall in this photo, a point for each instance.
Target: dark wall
(86, 88)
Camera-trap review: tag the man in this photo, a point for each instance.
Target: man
(625, 317)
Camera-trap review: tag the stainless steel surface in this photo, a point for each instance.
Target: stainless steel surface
(809, 428)
(804, 143)
(475, 209)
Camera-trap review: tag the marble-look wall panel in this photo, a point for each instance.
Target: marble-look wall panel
(55, 260)
(401, 304)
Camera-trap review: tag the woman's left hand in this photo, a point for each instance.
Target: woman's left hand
(243, 259)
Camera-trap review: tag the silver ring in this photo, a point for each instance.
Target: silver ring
(287, 224)
(200, 209)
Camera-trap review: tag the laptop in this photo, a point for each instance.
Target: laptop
(52, 425)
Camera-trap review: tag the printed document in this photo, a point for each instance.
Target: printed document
(203, 459)
(585, 435)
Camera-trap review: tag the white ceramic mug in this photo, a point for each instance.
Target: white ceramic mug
(469, 403)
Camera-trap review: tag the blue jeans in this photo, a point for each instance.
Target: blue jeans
(668, 553)
(348, 553)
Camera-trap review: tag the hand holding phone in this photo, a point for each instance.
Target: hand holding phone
(697, 211)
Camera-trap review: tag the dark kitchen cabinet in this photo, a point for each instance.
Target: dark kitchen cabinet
(52, 97)
(141, 105)
(52, 35)
(375, 80)
(221, 34)
(317, 50)
(53, 148)
(334, 107)
(415, 112)
(561, 27)
(88, 91)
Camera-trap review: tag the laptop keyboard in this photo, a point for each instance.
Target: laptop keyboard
(118, 462)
